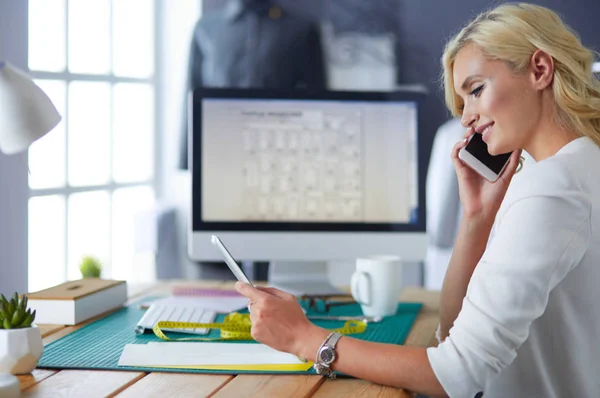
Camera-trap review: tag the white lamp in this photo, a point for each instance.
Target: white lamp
(26, 112)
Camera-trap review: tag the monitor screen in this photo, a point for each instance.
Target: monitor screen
(296, 163)
(271, 161)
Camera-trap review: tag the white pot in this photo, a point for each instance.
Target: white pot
(20, 350)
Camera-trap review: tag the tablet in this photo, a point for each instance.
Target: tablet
(230, 261)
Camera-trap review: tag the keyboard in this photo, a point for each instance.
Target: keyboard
(175, 313)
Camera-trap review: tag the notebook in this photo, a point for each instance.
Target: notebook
(203, 292)
(210, 356)
(222, 305)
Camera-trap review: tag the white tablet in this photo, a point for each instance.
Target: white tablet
(230, 261)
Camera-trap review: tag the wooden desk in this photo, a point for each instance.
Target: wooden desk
(93, 383)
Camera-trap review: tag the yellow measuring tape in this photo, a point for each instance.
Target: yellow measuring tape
(236, 326)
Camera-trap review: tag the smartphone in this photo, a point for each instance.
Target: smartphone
(475, 154)
(230, 261)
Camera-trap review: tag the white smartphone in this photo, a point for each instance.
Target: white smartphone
(230, 261)
(475, 154)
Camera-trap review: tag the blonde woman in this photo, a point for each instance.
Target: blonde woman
(520, 318)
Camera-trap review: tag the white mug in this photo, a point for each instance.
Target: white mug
(376, 284)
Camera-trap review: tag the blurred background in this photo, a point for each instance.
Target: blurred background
(110, 181)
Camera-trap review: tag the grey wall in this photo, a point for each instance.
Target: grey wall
(422, 27)
(14, 190)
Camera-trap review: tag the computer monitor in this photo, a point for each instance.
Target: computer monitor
(297, 177)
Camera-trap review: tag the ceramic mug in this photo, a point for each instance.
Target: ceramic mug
(376, 284)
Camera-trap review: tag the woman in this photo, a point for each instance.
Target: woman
(518, 318)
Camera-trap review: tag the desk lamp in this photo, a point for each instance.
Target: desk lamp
(26, 114)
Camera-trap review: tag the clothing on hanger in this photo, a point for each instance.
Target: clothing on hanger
(253, 44)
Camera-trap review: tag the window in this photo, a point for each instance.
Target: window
(92, 174)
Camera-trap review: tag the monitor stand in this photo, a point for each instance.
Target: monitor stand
(299, 278)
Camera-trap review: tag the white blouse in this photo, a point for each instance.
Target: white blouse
(530, 322)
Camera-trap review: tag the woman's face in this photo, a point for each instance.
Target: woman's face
(498, 103)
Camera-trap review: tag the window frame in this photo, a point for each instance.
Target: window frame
(66, 77)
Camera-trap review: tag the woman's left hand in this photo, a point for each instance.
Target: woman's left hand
(480, 198)
(277, 318)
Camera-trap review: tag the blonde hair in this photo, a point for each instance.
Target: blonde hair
(512, 33)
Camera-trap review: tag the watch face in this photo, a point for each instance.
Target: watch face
(327, 355)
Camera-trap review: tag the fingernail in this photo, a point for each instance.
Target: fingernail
(466, 139)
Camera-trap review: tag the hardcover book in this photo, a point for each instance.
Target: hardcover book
(76, 301)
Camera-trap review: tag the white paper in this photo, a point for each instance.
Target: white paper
(223, 305)
(198, 354)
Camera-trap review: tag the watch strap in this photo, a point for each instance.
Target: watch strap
(333, 339)
(323, 368)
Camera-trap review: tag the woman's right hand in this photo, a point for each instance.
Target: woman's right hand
(480, 198)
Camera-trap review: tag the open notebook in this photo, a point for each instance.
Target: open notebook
(215, 356)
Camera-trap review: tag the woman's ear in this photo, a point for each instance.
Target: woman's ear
(542, 69)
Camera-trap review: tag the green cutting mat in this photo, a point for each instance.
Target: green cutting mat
(99, 345)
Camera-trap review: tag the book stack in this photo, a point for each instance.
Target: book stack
(77, 301)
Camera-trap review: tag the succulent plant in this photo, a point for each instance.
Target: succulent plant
(14, 314)
(90, 267)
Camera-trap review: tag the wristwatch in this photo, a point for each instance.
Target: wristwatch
(326, 355)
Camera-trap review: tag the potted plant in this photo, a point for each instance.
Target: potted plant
(90, 267)
(21, 343)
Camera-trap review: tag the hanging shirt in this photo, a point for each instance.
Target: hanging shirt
(253, 45)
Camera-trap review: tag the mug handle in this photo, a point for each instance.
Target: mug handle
(355, 282)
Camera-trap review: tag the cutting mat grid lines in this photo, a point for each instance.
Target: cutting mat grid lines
(99, 345)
